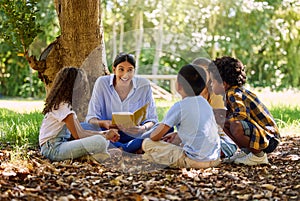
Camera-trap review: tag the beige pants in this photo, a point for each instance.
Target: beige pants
(172, 155)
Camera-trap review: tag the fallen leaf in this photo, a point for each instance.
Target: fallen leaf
(244, 197)
(257, 196)
(9, 173)
(268, 186)
(293, 157)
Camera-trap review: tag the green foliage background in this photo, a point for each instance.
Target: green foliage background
(25, 26)
(264, 35)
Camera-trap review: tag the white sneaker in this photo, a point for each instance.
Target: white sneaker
(251, 159)
(239, 154)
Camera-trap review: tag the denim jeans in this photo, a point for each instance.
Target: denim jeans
(228, 148)
(59, 148)
(128, 143)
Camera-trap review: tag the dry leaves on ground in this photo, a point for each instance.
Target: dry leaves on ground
(134, 179)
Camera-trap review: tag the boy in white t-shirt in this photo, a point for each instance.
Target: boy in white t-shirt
(196, 127)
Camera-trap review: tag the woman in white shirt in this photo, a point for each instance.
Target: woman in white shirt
(122, 92)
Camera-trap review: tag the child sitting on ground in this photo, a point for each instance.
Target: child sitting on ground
(248, 122)
(56, 143)
(196, 127)
(228, 147)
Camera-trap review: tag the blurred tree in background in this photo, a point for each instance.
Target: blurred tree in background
(165, 34)
(24, 27)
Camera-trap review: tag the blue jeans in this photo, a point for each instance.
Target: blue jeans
(60, 148)
(128, 143)
(132, 144)
(228, 148)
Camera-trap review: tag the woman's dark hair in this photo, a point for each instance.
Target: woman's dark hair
(62, 89)
(121, 57)
(229, 70)
(192, 79)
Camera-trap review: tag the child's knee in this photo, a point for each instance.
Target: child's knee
(236, 128)
(146, 145)
(97, 141)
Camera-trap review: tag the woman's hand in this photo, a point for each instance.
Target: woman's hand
(133, 130)
(105, 124)
(112, 135)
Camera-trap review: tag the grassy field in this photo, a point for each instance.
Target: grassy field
(270, 99)
(22, 105)
(21, 118)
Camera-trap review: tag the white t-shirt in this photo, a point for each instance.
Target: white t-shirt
(53, 122)
(196, 127)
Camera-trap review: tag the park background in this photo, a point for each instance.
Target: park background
(163, 35)
(264, 35)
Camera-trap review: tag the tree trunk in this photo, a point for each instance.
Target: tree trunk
(80, 45)
(114, 39)
(158, 44)
(121, 35)
(139, 40)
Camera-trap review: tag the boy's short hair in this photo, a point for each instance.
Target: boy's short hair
(229, 70)
(192, 79)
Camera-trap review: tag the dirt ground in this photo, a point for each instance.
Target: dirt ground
(132, 178)
(32, 177)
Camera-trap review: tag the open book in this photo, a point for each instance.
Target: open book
(130, 119)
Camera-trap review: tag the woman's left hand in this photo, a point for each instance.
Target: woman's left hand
(133, 130)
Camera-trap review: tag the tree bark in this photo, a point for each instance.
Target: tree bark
(80, 45)
(158, 44)
(121, 35)
(139, 40)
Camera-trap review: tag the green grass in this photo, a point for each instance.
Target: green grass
(287, 119)
(287, 114)
(22, 129)
(162, 107)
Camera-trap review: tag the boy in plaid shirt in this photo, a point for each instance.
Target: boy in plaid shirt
(248, 122)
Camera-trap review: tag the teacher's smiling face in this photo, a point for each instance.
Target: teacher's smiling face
(124, 72)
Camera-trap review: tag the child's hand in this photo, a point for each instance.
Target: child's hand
(112, 135)
(172, 138)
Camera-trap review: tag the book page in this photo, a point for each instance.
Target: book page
(128, 119)
(123, 118)
(140, 114)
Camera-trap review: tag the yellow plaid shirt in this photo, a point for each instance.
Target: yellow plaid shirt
(244, 105)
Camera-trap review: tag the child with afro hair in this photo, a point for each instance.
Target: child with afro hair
(248, 122)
